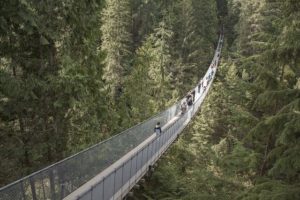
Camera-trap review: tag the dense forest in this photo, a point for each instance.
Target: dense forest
(245, 142)
(76, 72)
(73, 73)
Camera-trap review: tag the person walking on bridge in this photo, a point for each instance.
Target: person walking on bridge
(189, 100)
(199, 86)
(183, 107)
(157, 129)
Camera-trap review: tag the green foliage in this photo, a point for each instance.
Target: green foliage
(139, 90)
(245, 143)
(273, 190)
(73, 73)
(193, 42)
(48, 78)
(271, 111)
(116, 44)
(280, 98)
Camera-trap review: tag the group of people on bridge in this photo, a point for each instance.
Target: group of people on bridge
(190, 98)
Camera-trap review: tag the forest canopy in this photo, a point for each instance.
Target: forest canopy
(245, 142)
(76, 72)
(73, 73)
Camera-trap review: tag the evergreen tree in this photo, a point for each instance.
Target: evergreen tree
(161, 66)
(247, 134)
(194, 41)
(139, 84)
(47, 74)
(116, 41)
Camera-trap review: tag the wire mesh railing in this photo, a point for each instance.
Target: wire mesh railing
(62, 178)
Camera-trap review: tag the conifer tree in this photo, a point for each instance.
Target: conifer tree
(116, 42)
(249, 129)
(161, 66)
(191, 44)
(139, 85)
(47, 77)
(268, 141)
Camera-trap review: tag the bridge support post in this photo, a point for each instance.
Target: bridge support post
(33, 191)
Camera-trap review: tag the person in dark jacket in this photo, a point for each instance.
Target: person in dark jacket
(157, 129)
(189, 100)
(183, 107)
(193, 93)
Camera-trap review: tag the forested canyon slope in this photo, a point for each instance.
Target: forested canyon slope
(74, 73)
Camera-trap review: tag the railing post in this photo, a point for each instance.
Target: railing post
(23, 191)
(114, 189)
(62, 187)
(147, 153)
(52, 185)
(142, 159)
(92, 188)
(103, 194)
(43, 185)
(33, 191)
(130, 170)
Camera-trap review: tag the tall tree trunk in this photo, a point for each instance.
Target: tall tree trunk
(265, 159)
(282, 73)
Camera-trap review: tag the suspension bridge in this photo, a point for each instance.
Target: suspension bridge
(110, 169)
